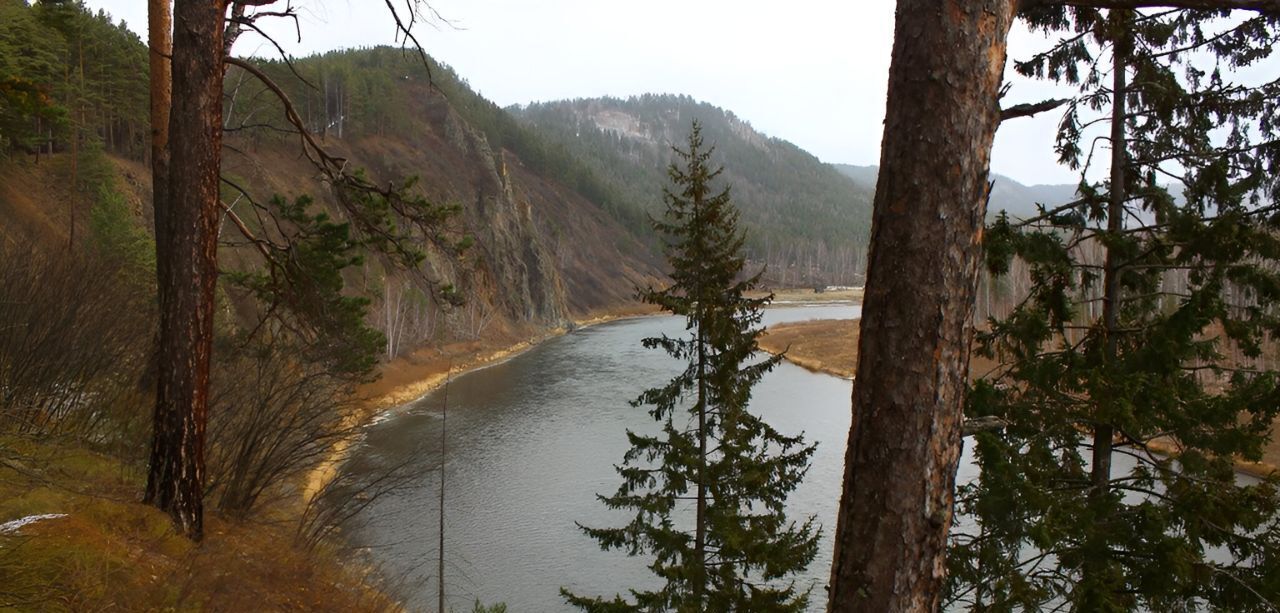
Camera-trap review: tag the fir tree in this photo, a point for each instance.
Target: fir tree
(714, 461)
(1136, 371)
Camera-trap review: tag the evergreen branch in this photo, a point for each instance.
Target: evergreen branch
(1268, 7)
(1031, 109)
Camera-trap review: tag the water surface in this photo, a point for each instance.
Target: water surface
(532, 441)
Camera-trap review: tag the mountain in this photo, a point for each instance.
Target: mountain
(1006, 194)
(805, 221)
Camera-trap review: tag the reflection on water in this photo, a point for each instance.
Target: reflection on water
(534, 439)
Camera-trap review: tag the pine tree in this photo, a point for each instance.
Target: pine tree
(714, 462)
(1137, 368)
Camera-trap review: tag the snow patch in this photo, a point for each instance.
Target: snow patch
(13, 526)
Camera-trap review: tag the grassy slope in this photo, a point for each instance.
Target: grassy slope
(111, 552)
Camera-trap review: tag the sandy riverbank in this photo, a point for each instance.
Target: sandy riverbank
(827, 346)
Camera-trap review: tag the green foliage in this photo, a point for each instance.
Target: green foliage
(302, 286)
(118, 234)
(497, 608)
(1149, 321)
(737, 468)
(67, 72)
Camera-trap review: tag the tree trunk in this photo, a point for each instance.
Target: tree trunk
(160, 37)
(186, 242)
(904, 444)
(1094, 584)
(700, 513)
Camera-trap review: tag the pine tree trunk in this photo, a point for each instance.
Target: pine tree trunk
(904, 444)
(700, 520)
(160, 37)
(187, 243)
(1104, 432)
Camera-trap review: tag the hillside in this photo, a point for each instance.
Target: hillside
(543, 254)
(805, 220)
(1006, 194)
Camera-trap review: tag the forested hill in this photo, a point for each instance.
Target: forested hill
(1006, 194)
(74, 167)
(806, 220)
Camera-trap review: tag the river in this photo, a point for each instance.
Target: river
(532, 441)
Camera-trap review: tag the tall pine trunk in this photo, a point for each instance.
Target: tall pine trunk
(1093, 582)
(160, 42)
(700, 517)
(186, 247)
(904, 444)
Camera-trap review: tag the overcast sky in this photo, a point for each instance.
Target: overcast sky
(810, 72)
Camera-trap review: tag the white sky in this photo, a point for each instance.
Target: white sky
(813, 73)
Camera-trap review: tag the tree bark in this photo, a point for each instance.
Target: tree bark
(186, 242)
(160, 42)
(930, 203)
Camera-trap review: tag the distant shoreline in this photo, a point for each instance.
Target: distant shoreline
(829, 346)
(807, 296)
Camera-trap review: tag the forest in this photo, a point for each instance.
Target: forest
(336, 332)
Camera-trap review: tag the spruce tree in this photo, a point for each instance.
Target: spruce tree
(708, 491)
(1140, 366)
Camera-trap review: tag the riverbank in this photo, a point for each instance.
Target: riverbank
(830, 346)
(794, 296)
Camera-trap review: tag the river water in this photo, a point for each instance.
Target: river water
(532, 441)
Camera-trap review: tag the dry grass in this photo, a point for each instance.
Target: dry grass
(111, 552)
(827, 345)
(831, 346)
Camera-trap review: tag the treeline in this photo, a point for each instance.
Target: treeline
(793, 206)
(382, 91)
(796, 209)
(70, 78)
